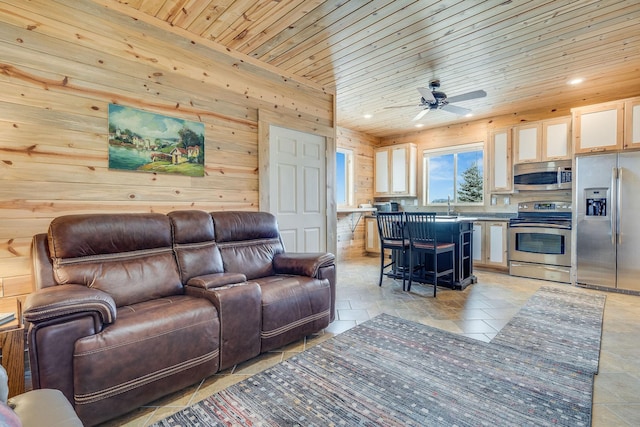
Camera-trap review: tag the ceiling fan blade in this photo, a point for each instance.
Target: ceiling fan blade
(467, 96)
(455, 109)
(402, 106)
(421, 114)
(427, 95)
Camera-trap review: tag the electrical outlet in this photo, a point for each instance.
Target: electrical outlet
(494, 200)
(507, 201)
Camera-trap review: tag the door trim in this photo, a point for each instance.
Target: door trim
(265, 120)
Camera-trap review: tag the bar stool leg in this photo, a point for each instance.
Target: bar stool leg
(381, 266)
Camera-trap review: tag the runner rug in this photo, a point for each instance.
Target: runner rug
(393, 372)
(564, 325)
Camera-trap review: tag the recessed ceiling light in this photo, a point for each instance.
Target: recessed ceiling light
(368, 116)
(419, 125)
(469, 115)
(576, 81)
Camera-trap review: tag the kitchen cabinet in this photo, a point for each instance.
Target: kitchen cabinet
(490, 244)
(632, 123)
(500, 162)
(598, 128)
(542, 141)
(395, 171)
(556, 139)
(527, 143)
(372, 236)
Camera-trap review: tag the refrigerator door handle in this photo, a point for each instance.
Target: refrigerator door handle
(619, 207)
(614, 206)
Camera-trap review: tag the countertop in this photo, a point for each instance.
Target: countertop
(479, 216)
(351, 210)
(448, 218)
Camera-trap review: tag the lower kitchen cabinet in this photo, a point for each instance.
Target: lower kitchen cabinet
(490, 244)
(372, 237)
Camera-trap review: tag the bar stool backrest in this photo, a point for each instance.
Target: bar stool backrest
(421, 227)
(391, 226)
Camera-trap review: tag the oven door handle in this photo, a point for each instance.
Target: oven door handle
(539, 225)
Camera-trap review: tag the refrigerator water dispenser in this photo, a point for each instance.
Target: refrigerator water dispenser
(596, 199)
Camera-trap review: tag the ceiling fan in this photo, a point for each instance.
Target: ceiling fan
(433, 99)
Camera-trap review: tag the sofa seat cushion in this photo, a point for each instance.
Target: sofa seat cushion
(44, 407)
(292, 308)
(152, 349)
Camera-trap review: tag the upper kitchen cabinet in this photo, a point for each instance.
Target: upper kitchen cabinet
(632, 123)
(598, 128)
(395, 171)
(500, 178)
(527, 143)
(556, 139)
(543, 141)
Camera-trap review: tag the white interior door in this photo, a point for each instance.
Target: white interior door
(297, 172)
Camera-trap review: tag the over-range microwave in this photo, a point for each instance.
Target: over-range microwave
(542, 176)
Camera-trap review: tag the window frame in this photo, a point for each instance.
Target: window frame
(463, 148)
(349, 177)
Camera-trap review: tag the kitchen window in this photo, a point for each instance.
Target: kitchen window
(344, 177)
(455, 174)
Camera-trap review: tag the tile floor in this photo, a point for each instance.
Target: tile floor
(479, 311)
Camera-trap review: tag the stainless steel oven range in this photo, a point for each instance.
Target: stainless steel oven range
(540, 241)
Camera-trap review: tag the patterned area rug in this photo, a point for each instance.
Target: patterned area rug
(559, 324)
(393, 372)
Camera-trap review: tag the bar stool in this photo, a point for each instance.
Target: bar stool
(391, 227)
(421, 231)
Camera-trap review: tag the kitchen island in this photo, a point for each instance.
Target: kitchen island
(458, 230)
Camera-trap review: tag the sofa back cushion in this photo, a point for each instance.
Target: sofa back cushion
(194, 244)
(248, 241)
(129, 256)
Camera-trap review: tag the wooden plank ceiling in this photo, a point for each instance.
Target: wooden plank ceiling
(375, 54)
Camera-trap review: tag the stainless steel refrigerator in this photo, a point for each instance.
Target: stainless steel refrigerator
(607, 204)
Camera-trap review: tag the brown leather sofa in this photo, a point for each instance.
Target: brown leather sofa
(132, 307)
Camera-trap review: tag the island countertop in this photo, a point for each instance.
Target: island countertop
(452, 218)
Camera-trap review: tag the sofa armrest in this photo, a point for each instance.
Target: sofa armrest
(302, 264)
(216, 280)
(63, 300)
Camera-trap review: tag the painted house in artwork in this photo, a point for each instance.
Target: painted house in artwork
(193, 152)
(179, 155)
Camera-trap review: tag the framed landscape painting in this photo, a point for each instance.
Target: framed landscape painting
(148, 142)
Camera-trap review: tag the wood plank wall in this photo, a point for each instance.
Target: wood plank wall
(62, 63)
(351, 244)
